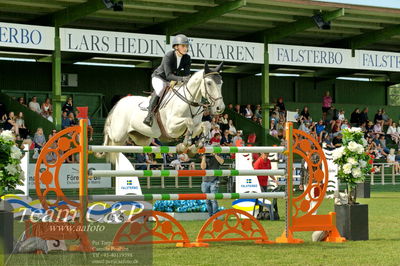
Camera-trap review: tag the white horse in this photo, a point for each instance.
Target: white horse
(180, 111)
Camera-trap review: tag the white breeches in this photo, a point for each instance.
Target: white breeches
(158, 85)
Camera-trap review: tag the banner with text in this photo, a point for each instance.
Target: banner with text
(26, 36)
(68, 176)
(280, 54)
(121, 43)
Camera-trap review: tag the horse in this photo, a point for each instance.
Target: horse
(180, 112)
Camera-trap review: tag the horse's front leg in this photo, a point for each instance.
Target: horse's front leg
(187, 141)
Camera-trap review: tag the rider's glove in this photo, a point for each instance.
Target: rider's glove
(185, 79)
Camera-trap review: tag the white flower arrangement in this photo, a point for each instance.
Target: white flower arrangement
(352, 160)
(11, 173)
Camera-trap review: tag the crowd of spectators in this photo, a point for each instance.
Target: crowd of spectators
(9, 120)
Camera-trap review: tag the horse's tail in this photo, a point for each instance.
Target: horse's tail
(110, 156)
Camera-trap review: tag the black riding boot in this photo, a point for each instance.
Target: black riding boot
(152, 103)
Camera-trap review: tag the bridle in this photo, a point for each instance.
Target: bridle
(210, 100)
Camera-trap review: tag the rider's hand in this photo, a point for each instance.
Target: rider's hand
(185, 79)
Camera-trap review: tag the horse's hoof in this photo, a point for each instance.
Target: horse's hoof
(192, 151)
(180, 148)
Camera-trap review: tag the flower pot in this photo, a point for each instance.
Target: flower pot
(363, 190)
(352, 221)
(6, 232)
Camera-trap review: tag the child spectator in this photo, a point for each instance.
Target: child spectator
(39, 139)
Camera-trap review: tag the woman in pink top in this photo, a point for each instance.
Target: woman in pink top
(326, 104)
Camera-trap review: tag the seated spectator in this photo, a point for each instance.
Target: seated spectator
(370, 127)
(355, 117)
(140, 161)
(382, 142)
(320, 130)
(72, 120)
(226, 139)
(255, 119)
(52, 157)
(305, 115)
(39, 139)
(391, 158)
(34, 105)
(327, 143)
(68, 106)
(304, 126)
(377, 129)
(215, 130)
(216, 140)
(341, 115)
(379, 118)
(337, 140)
(274, 119)
(313, 132)
(21, 100)
(237, 138)
(20, 121)
(47, 110)
(2, 113)
(237, 109)
(258, 111)
(336, 128)
(224, 122)
(10, 123)
(151, 163)
(206, 115)
(232, 128)
(230, 107)
(247, 112)
(392, 132)
(65, 122)
(345, 125)
(387, 120)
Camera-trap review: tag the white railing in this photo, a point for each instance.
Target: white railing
(375, 176)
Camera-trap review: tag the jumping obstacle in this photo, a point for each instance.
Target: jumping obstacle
(219, 227)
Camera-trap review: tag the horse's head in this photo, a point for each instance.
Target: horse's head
(212, 89)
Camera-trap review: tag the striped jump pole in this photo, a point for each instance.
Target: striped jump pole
(177, 173)
(172, 149)
(200, 196)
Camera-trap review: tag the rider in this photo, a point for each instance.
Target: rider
(171, 65)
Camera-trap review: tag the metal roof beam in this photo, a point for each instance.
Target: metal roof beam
(188, 20)
(71, 14)
(277, 33)
(373, 37)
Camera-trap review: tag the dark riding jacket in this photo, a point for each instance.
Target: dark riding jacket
(168, 70)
